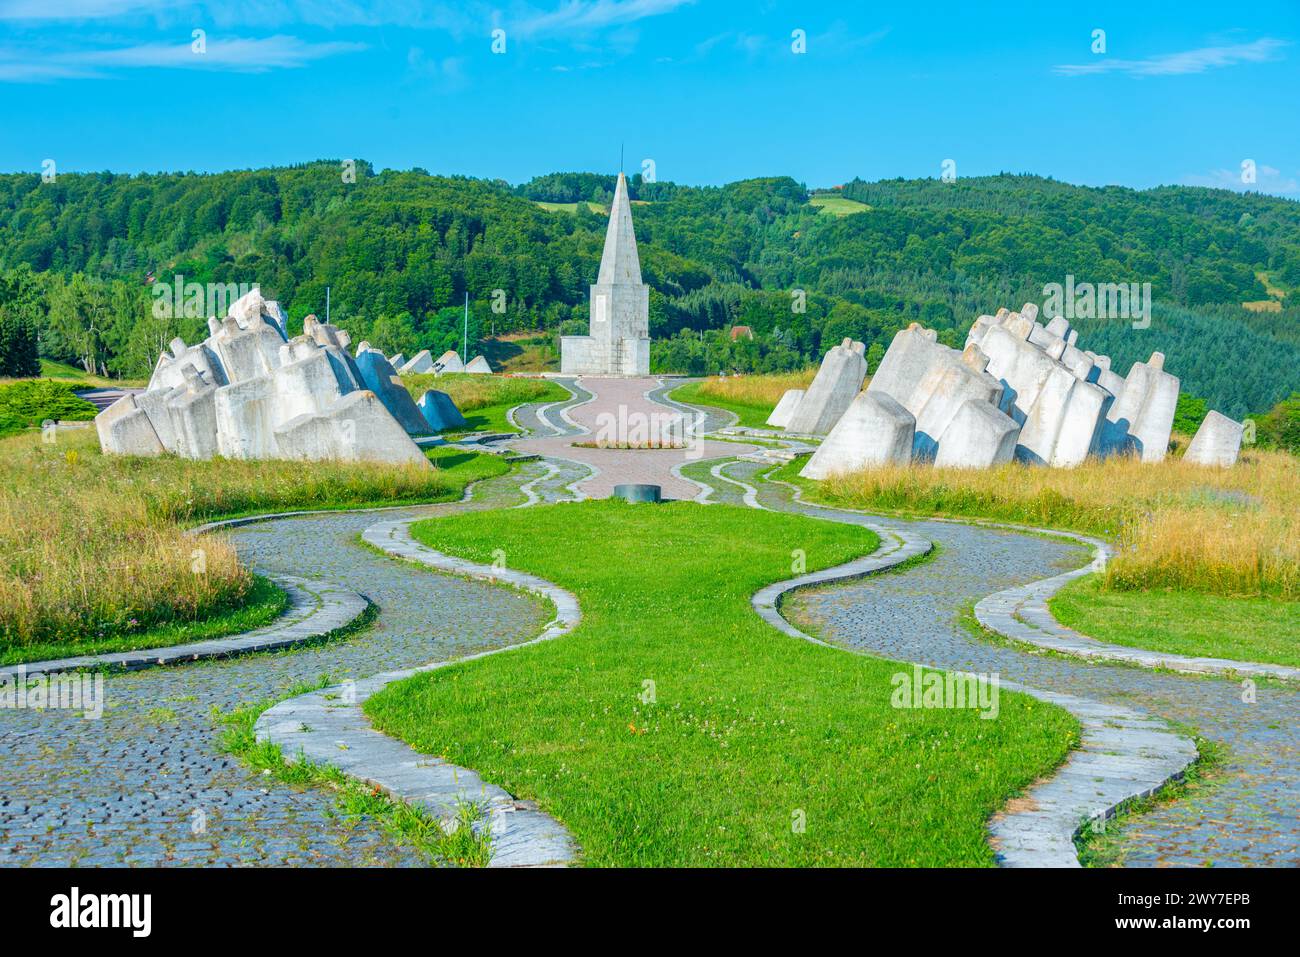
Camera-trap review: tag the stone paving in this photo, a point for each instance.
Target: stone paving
(624, 400)
(130, 788)
(1249, 814)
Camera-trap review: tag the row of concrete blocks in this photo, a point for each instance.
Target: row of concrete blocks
(1019, 390)
(248, 392)
(423, 362)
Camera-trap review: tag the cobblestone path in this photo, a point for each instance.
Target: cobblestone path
(1249, 812)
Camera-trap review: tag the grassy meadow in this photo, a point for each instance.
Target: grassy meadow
(1183, 622)
(833, 205)
(92, 548)
(751, 397)
(674, 727)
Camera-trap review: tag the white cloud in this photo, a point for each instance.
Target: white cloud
(1177, 64)
(585, 16)
(1268, 179)
(235, 54)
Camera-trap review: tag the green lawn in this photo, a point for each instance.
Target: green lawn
(748, 731)
(837, 205)
(572, 207)
(1183, 622)
(752, 416)
(264, 602)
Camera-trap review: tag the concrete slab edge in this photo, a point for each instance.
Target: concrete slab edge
(330, 727)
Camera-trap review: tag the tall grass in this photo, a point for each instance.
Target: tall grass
(1229, 531)
(471, 392)
(755, 390)
(92, 546)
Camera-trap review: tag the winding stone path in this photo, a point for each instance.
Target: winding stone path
(148, 783)
(135, 786)
(1250, 814)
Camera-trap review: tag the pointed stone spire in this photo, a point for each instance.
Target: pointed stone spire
(620, 263)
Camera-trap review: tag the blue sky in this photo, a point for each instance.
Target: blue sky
(711, 91)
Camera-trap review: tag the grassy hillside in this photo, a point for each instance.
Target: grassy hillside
(400, 249)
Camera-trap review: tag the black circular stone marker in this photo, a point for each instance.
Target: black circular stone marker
(638, 493)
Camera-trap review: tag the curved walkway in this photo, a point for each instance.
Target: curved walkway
(148, 783)
(1249, 814)
(316, 610)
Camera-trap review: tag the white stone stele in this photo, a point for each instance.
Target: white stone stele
(449, 362)
(421, 362)
(397, 361)
(875, 430)
(440, 411)
(953, 378)
(837, 384)
(618, 342)
(1050, 388)
(382, 379)
(933, 382)
(780, 417)
(1217, 442)
(478, 366)
(1141, 419)
(978, 437)
(247, 393)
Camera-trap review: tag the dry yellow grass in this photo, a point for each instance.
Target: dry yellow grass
(93, 545)
(756, 390)
(1176, 525)
(82, 559)
(472, 392)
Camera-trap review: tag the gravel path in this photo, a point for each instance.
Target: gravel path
(1248, 815)
(147, 784)
(133, 787)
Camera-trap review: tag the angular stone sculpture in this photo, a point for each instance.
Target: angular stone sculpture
(397, 362)
(953, 378)
(1027, 390)
(440, 412)
(478, 366)
(1217, 441)
(381, 379)
(449, 362)
(1142, 418)
(780, 417)
(837, 384)
(421, 362)
(248, 393)
(875, 430)
(978, 436)
(125, 429)
(911, 355)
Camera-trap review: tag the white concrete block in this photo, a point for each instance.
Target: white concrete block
(780, 417)
(875, 430)
(125, 430)
(419, 363)
(1217, 441)
(978, 436)
(836, 385)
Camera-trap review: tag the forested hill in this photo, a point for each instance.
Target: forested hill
(399, 249)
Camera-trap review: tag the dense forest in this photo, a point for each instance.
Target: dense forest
(83, 258)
